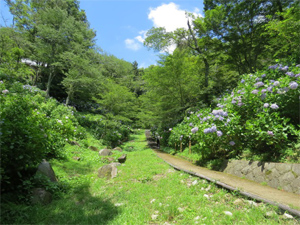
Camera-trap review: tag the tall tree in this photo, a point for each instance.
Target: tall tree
(51, 26)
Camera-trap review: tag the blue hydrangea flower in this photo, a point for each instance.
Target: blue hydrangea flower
(274, 106)
(285, 68)
(191, 124)
(273, 67)
(194, 130)
(242, 81)
(207, 130)
(232, 143)
(266, 105)
(259, 84)
(297, 75)
(264, 75)
(219, 133)
(293, 85)
(290, 74)
(254, 92)
(276, 83)
(270, 89)
(270, 133)
(257, 79)
(213, 129)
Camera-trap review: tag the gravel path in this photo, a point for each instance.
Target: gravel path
(285, 200)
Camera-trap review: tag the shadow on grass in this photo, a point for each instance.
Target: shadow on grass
(80, 207)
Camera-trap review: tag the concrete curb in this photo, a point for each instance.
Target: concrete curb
(249, 195)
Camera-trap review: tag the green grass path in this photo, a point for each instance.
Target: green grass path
(146, 191)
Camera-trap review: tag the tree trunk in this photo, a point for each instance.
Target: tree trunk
(50, 78)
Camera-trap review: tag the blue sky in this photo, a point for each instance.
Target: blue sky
(121, 25)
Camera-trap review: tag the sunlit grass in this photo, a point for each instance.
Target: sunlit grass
(146, 191)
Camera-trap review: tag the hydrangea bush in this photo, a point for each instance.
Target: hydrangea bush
(260, 117)
(32, 128)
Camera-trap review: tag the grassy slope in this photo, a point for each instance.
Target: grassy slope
(145, 187)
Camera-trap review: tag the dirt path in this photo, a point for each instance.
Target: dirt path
(285, 200)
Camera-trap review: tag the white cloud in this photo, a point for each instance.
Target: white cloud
(132, 44)
(170, 16)
(142, 36)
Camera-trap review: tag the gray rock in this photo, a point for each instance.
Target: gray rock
(105, 152)
(122, 159)
(76, 158)
(108, 171)
(116, 164)
(93, 148)
(238, 202)
(118, 149)
(41, 196)
(46, 169)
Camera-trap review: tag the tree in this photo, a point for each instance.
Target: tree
(240, 25)
(51, 26)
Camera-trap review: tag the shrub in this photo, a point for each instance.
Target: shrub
(260, 114)
(32, 128)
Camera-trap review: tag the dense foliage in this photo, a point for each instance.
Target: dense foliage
(259, 119)
(32, 128)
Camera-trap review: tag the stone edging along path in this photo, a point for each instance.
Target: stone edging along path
(283, 176)
(285, 200)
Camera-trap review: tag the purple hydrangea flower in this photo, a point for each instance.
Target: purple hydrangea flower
(272, 81)
(254, 92)
(276, 83)
(188, 118)
(264, 75)
(181, 137)
(270, 89)
(290, 74)
(194, 130)
(270, 133)
(263, 90)
(219, 133)
(207, 130)
(232, 143)
(213, 129)
(170, 129)
(285, 68)
(273, 67)
(297, 75)
(221, 118)
(242, 81)
(257, 79)
(274, 106)
(5, 91)
(266, 105)
(263, 96)
(219, 105)
(259, 84)
(233, 101)
(191, 124)
(228, 120)
(293, 85)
